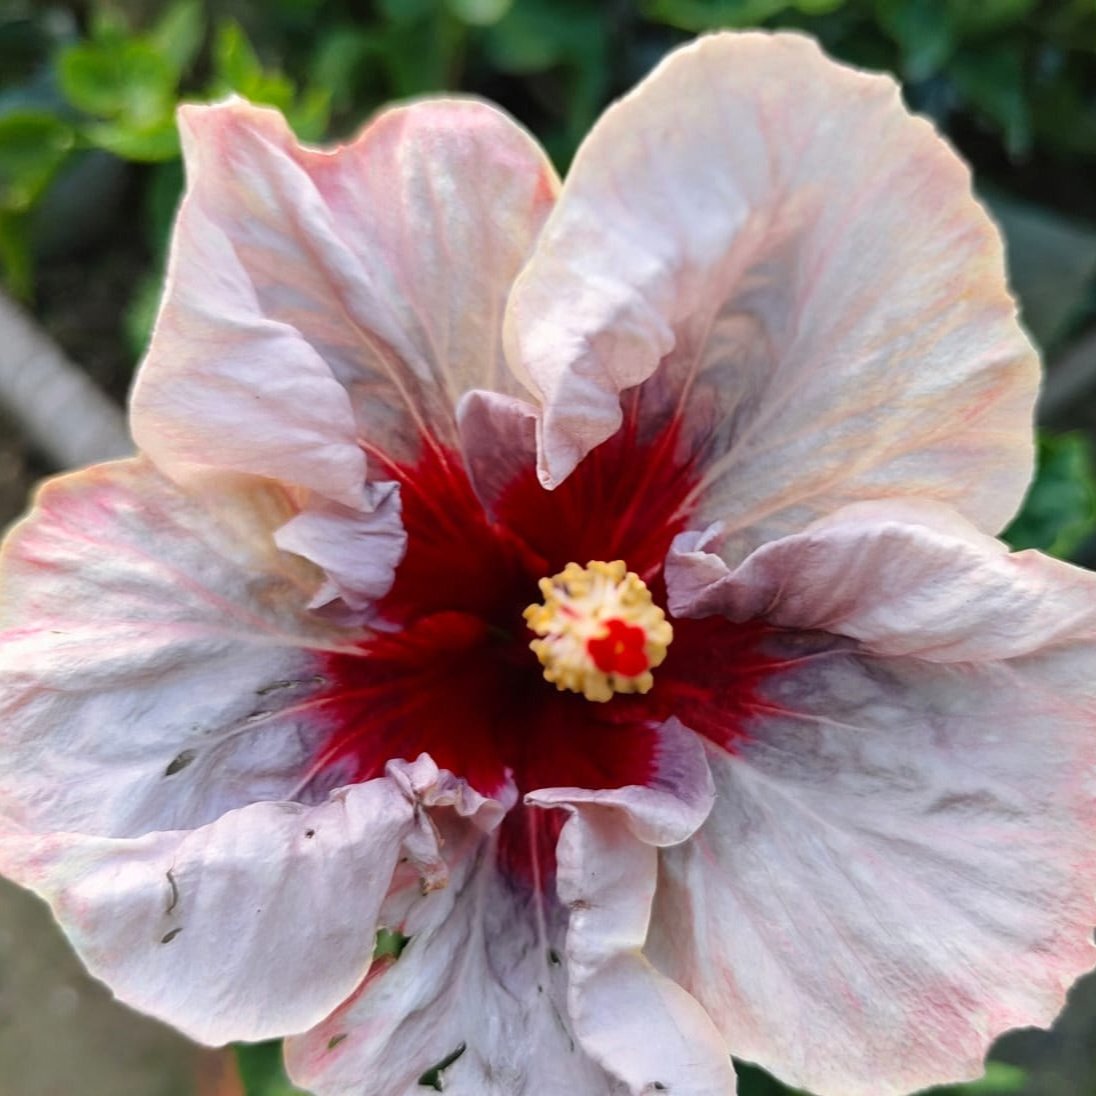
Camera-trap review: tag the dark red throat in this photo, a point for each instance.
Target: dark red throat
(454, 677)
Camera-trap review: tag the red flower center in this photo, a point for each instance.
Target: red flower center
(455, 677)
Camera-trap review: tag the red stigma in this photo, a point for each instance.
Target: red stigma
(621, 650)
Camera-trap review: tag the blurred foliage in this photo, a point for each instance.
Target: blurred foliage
(1016, 78)
(1059, 513)
(262, 1072)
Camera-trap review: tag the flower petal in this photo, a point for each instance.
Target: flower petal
(903, 837)
(498, 436)
(903, 577)
(797, 267)
(477, 995)
(358, 551)
(252, 927)
(158, 663)
(355, 292)
(637, 1023)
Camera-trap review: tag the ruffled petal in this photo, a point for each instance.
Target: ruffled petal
(319, 297)
(158, 663)
(477, 995)
(796, 272)
(903, 577)
(252, 927)
(900, 864)
(498, 436)
(359, 551)
(637, 1023)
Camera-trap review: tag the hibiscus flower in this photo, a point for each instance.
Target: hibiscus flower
(592, 587)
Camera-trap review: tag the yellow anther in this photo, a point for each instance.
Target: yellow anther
(599, 632)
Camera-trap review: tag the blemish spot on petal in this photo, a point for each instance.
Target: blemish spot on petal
(169, 936)
(173, 900)
(334, 1041)
(180, 762)
(433, 1078)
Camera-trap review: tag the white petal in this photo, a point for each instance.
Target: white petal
(498, 436)
(157, 663)
(478, 985)
(905, 578)
(358, 550)
(636, 1022)
(797, 267)
(252, 927)
(900, 864)
(315, 297)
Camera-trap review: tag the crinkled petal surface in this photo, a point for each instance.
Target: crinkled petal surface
(359, 551)
(159, 684)
(535, 997)
(900, 862)
(797, 270)
(159, 665)
(640, 1025)
(252, 927)
(318, 297)
(476, 990)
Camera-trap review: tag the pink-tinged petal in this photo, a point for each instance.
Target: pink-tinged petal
(358, 550)
(318, 297)
(900, 864)
(904, 578)
(637, 1023)
(479, 989)
(498, 437)
(795, 269)
(157, 661)
(252, 927)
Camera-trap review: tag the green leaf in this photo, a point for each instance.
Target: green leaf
(1060, 509)
(701, 15)
(338, 62)
(127, 79)
(479, 13)
(406, 12)
(235, 62)
(33, 145)
(310, 113)
(16, 262)
(261, 1070)
(993, 80)
(237, 68)
(924, 32)
(976, 17)
(149, 144)
(178, 34)
(999, 1080)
